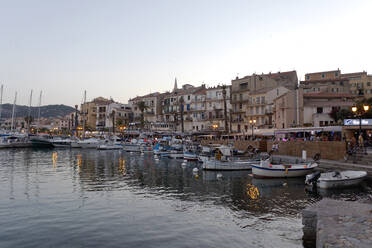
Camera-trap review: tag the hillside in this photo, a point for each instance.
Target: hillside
(45, 111)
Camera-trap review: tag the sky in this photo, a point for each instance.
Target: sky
(122, 49)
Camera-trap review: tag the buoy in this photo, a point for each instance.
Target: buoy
(219, 175)
(195, 170)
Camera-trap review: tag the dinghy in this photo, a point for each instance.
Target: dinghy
(336, 179)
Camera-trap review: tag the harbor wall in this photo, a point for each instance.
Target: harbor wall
(331, 150)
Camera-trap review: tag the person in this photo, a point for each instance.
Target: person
(361, 142)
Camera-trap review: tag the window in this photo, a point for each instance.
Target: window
(240, 106)
(368, 83)
(262, 100)
(319, 110)
(323, 76)
(258, 100)
(257, 110)
(188, 97)
(277, 91)
(307, 78)
(336, 74)
(243, 86)
(240, 97)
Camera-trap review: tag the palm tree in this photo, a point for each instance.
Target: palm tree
(181, 102)
(112, 115)
(29, 119)
(142, 107)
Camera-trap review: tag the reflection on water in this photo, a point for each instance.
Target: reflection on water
(116, 199)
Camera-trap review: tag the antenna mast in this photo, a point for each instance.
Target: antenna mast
(29, 114)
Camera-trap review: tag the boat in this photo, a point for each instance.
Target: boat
(132, 146)
(42, 141)
(112, 143)
(336, 179)
(90, 143)
(146, 147)
(267, 169)
(61, 142)
(14, 141)
(75, 142)
(174, 154)
(224, 160)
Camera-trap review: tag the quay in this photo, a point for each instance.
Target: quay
(325, 164)
(334, 223)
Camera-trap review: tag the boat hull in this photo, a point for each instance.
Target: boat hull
(190, 156)
(131, 148)
(267, 172)
(336, 183)
(228, 165)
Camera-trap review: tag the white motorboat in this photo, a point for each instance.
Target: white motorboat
(61, 143)
(223, 160)
(133, 146)
(267, 169)
(113, 143)
(214, 164)
(14, 141)
(336, 179)
(91, 143)
(174, 154)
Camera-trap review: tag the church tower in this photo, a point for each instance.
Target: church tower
(175, 85)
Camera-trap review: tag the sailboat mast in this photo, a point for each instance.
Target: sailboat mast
(38, 115)
(29, 114)
(13, 112)
(85, 100)
(1, 100)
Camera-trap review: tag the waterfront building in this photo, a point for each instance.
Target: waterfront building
(323, 96)
(193, 104)
(151, 109)
(248, 98)
(360, 82)
(214, 108)
(93, 113)
(288, 109)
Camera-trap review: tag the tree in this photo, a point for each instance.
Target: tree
(112, 116)
(142, 107)
(340, 114)
(181, 102)
(29, 119)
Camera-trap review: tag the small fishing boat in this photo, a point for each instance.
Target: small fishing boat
(267, 169)
(336, 179)
(224, 160)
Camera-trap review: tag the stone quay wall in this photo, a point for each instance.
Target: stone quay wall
(331, 150)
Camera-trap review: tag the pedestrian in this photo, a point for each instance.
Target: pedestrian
(361, 142)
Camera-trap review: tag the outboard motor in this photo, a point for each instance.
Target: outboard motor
(312, 178)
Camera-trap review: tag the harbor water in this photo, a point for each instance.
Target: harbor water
(90, 198)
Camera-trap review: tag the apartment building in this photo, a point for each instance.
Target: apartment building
(215, 109)
(249, 98)
(288, 109)
(324, 92)
(92, 113)
(193, 104)
(152, 107)
(360, 83)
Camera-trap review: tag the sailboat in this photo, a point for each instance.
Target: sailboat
(41, 140)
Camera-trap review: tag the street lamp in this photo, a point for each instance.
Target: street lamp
(359, 112)
(252, 122)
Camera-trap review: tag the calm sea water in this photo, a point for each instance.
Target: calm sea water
(81, 198)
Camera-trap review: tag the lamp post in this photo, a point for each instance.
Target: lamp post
(252, 122)
(359, 112)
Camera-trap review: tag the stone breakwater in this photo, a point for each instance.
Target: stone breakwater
(332, 223)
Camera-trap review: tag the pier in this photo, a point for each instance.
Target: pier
(333, 223)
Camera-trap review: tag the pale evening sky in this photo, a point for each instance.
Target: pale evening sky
(127, 48)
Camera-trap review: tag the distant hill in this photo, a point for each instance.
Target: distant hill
(45, 111)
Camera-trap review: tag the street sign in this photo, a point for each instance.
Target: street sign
(355, 122)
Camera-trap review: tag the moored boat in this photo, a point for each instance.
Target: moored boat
(267, 169)
(336, 179)
(42, 141)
